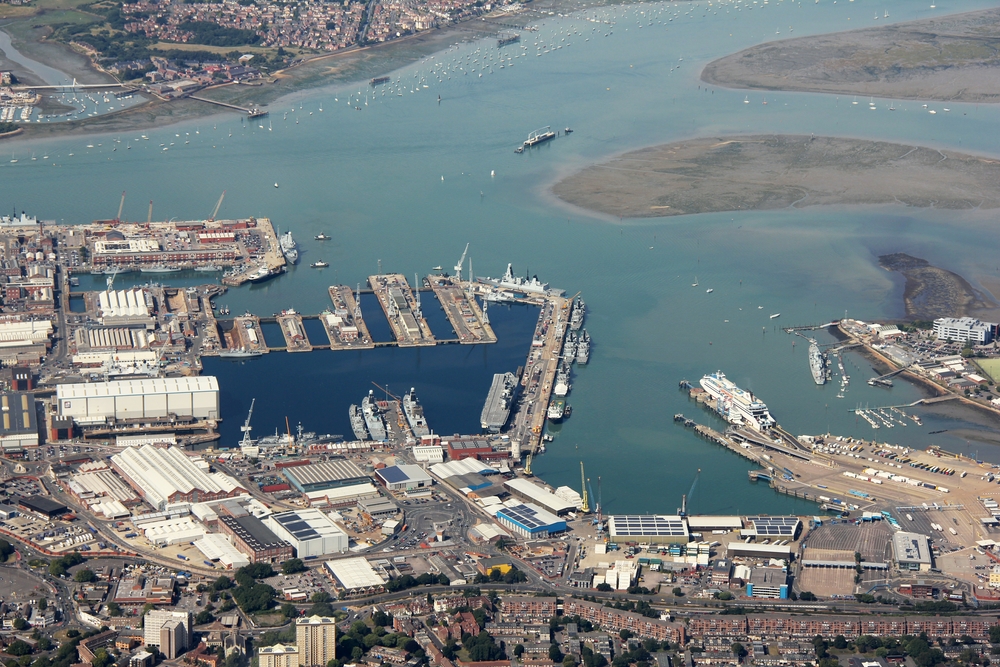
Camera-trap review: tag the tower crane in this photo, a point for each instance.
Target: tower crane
(585, 507)
(461, 261)
(246, 428)
(218, 205)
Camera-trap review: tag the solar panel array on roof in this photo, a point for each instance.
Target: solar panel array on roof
(777, 526)
(644, 525)
(525, 515)
(294, 524)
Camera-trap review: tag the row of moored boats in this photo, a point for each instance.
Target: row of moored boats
(576, 349)
(369, 422)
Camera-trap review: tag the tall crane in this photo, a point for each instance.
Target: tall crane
(689, 494)
(149, 218)
(246, 428)
(218, 205)
(527, 465)
(111, 278)
(585, 507)
(357, 306)
(121, 205)
(461, 261)
(416, 295)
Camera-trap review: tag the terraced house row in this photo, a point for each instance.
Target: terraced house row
(788, 626)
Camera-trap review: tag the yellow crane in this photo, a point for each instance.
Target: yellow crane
(527, 465)
(585, 507)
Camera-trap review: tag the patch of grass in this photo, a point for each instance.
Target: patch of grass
(991, 367)
(270, 620)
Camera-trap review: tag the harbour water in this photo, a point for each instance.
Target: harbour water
(408, 180)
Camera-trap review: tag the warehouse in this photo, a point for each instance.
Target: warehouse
(168, 475)
(218, 549)
(528, 491)
(311, 532)
(772, 527)
(100, 481)
(378, 508)
(529, 520)
(19, 426)
(758, 550)
(326, 475)
(403, 477)
(42, 505)
(355, 576)
(145, 398)
(254, 539)
(173, 531)
(648, 529)
(697, 524)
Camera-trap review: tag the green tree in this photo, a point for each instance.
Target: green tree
(72, 633)
(739, 651)
(43, 604)
(555, 655)
(626, 634)
(605, 587)
(518, 650)
(6, 550)
(204, 616)
(18, 647)
(807, 596)
(293, 566)
(288, 610)
(840, 642)
(114, 609)
(19, 624)
(678, 592)
(222, 583)
(85, 575)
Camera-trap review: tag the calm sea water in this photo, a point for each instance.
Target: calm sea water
(409, 180)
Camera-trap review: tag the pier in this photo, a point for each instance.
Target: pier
(243, 334)
(402, 309)
(294, 332)
(469, 322)
(346, 327)
(538, 379)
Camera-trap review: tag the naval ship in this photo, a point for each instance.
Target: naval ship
(817, 363)
(576, 319)
(289, 248)
(562, 385)
(583, 348)
(496, 411)
(557, 409)
(358, 424)
(415, 414)
(569, 347)
(373, 418)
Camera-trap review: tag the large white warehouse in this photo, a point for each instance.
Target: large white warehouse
(165, 476)
(311, 532)
(96, 402)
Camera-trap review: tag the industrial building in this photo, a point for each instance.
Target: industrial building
(168, 475)
(912, 551)
(378, 508)
(768, 582)
(217, 548)
(42, 505)
(279, 655)
(254, 539)
(173, 531)
(19, 423)
(697, 524)
(529, 520)
(403, 477)
(758, 550)
(140, 398)
(316, 639)
(25, 334)
(772, 527)
(648, 529)
(531, 492)
(428, 453)
(124, 307)
(355, 576)
(309, 531)
(326, 475)
(154, 621)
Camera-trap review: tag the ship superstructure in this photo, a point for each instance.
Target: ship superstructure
(738, 406)
(583, 348)
(817, 363)
(289, 248)
(358, 424)
(576, 319)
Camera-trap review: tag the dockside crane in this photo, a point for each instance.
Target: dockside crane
(461, 261)
(527, 465)
(585, 507)
(149, 218)
(246, 428)
(121, 205)
(684, 499)
(218, 205)
(416, 296)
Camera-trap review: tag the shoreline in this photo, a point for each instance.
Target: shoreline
(348, 66)
(947, 58)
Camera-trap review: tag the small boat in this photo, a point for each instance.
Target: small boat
(709, 290)
(437, 268)
(320, 264)
(775, 315)
(275, 185)
(695, 283)
(568, 130)
(321, 237)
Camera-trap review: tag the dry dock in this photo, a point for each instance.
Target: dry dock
(345, 326)
(402, 310)
(469, 322)
(245, 334)
(294, 332)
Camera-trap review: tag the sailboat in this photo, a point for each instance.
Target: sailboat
(855, 100)
(12, 158)
(746, 100)
(695, 283)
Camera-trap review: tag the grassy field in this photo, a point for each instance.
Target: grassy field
(48, 11)
(991, 367)
(221, 50)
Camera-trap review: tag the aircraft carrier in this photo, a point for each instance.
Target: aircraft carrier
(496, 411)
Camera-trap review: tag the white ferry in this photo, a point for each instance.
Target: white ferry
(738, 406)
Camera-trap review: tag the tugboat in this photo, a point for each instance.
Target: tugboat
(320, 264)
(321, 237)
